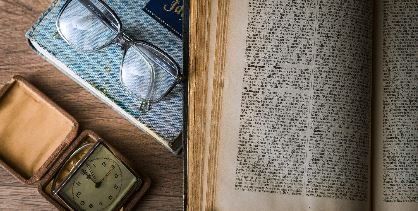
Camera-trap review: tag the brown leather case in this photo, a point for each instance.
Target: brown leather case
(37, 136)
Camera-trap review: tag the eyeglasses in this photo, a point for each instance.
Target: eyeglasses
(146, 72)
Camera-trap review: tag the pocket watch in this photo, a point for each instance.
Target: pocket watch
(94, 178)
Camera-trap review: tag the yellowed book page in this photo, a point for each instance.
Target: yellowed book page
(395, 122)
(294, 129)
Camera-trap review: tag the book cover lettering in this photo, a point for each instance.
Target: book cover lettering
(168, 13)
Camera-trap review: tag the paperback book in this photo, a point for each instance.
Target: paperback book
(99, 71)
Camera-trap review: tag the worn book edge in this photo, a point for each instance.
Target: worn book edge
(199, 32)
(205, 104)
(221, 44)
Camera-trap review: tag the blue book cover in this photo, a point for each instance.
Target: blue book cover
(99, 71)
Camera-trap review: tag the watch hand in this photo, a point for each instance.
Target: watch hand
(91, 172)
(88, 176)
(107, 174)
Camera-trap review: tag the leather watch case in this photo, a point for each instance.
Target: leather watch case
(37, 137)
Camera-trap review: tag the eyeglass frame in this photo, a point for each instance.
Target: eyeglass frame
(125, 42)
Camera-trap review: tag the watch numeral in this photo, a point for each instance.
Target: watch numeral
(91, 206)
(82, 203)
(116, 186)
(78, 194)
(116, 175)
(100, 203)
(93, 165)
(110, 197)
(78, 183)
(104, 164)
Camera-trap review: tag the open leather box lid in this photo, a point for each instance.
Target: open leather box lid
(34, 131)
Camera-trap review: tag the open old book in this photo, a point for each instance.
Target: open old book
(303, 105)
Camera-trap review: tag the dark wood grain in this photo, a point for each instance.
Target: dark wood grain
(164, 168)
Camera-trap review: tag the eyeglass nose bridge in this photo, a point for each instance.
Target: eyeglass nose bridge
(123, 40)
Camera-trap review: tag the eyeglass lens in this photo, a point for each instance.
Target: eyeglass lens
(150, 84)
(83, 28)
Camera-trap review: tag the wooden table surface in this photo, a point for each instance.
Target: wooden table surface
(164, 169)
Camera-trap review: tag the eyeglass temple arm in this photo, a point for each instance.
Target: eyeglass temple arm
(99, 14)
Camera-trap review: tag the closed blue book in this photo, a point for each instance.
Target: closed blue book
(99, 71)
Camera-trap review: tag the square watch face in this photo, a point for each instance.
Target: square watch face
(100, 182)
